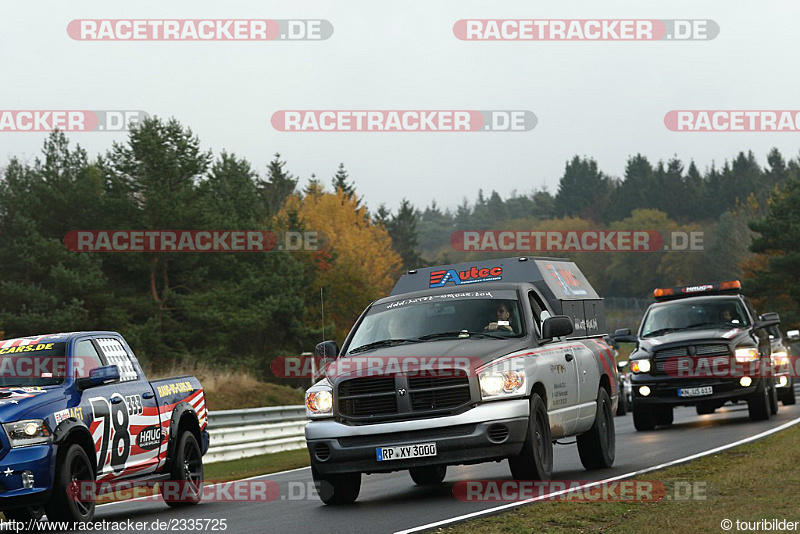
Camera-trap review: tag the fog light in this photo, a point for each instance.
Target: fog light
(27, 479)
(644, 391)
(745, 381)
(783, 381)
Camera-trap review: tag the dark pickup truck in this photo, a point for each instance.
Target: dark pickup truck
(702, 346)
(77, 408)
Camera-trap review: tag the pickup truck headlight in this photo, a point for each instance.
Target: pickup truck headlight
(780, 358)
(319, 402)
(746, 354)
(502, 381)
(28, 432)
(640, 366)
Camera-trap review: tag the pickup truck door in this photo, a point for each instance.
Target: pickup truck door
(559, 366)
(136, 414)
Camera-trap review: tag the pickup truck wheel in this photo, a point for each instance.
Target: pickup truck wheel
(773, 399)
(788, 397)
(337, 489)
(664, 415)
(643, 417)
(535, 461)
(621, 405)
(758, 403)
(186, 478)
(432, 475)
(72, 468)
(24, 515)
(597, 446)
(704, 409)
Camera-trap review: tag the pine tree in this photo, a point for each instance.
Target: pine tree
(279, 185)
(403, 231)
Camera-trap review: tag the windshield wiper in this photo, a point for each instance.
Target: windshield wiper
(702, 325)
(381, 343)
(464, 333)
(660, 331)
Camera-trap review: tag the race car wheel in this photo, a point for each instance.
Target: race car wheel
(758, 403)
(337, 489)
(65, 505)
(664, 415)
(431, 475)
(185, 486)
(643, 417)
(597, 447)
(535, 461)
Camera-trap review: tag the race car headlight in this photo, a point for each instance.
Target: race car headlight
(29, 432)
(640, 366)
(746, 354)
(502, 381)
(319, 402)
(780, 358)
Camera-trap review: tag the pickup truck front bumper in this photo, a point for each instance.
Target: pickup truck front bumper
(490, 431)
(40, 461)
(664, 391)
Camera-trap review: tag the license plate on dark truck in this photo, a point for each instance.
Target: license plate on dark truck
(695, 392)
(405, 451)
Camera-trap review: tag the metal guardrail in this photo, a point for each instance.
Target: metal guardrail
(237, 434)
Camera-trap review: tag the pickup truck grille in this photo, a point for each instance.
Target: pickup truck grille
(666, 360)
(386, 398)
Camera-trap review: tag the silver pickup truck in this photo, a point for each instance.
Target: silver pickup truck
(464, 364)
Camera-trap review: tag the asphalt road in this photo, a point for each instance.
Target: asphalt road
(391, 502)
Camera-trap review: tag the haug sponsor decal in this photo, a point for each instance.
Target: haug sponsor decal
(199, 29)
(149, 438)
(190, 240)
(585, 29)
(733, 120)
(403, 121)
(41, 120)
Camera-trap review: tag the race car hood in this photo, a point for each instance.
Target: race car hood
(441, 353)
(727, 335)
(17, 403)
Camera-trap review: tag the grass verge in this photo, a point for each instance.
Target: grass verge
(752, 482)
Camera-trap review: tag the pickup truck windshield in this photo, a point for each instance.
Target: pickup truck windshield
(695, 313)
(481, 315)
(37, 364)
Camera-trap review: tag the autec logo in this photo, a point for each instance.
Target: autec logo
(474, 275)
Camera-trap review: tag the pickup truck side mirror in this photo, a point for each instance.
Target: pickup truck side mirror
(326, 349)
(793, 335)
(624, 335)
(99, 376)
(767, 320)
(557, 326)
(622, 363)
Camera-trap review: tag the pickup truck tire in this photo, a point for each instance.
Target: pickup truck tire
(788, 398)
(773, 399)
(621, 405)
(597, 446)
(758, 403)
(643, 417)
(430, 475)
(187, 472)
(337, 489)
(664, 415)
(23, 515)
(73, 466)
(535, 461)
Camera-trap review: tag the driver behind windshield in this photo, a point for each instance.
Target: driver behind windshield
(500, 319)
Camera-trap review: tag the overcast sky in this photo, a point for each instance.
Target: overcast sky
(606, 100)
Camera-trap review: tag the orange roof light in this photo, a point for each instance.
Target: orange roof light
(733, 284)
(663, 292)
